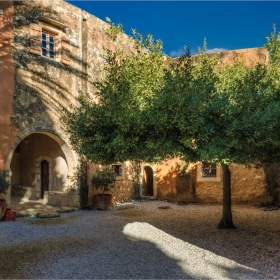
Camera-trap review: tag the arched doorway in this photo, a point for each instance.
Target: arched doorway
(40, 161)
(148, 181)
(44, 177)
(39, 164)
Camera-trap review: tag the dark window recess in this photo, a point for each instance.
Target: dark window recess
(17, 150)
(117, 168)
(208, 169)
(48, 45)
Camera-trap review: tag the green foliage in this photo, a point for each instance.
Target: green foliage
(104, 179)
(114, 30)
(197, 107)
(273, 46)
(4, 183)
(219, 112)
(116, 125)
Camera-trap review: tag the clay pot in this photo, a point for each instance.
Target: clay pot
(3, 206)
(103, 202)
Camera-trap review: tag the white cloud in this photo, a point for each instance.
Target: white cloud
(216, 50)
(177, 53)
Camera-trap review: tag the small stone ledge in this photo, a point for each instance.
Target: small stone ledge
(124, 206)
(48, 213)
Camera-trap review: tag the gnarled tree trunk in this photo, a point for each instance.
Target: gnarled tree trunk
(226, 221)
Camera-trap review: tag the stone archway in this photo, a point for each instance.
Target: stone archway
(66, 156)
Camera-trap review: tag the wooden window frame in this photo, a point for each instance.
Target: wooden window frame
(201, 178)
(119, 174)
(62, 44)
(48, 44)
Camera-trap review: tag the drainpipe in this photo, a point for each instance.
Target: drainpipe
(84, 51)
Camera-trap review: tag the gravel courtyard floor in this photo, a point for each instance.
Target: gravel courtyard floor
(141, 241)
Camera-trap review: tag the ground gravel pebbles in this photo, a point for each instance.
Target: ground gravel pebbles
(140, 241)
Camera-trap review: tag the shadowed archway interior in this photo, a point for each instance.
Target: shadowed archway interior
(40, 164)
(148, 185)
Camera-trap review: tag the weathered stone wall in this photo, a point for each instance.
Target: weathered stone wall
(43, 86)
(177, 182)
(37, 89)
(247, 185)
(124, 187)
(252, 55)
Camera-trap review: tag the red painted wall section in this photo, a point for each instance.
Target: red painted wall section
(7, 79)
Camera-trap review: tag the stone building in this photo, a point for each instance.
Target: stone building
(50, 51)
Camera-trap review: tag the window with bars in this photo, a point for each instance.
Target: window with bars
(208, 169)
(48, 45)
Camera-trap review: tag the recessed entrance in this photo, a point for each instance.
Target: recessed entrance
(44, 177)
(148, 181)
(39, 165)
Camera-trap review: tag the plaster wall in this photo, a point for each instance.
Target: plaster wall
(175, 181)
(7, 80)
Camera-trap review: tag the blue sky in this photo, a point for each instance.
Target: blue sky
(226, 25)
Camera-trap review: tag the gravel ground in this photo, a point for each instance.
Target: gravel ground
(143, 242)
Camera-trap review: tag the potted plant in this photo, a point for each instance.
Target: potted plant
(104, 179)
(4, 185)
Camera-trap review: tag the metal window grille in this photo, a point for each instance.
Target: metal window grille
(208, 169)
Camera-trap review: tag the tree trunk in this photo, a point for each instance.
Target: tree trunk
(137, 178)
(226, 221)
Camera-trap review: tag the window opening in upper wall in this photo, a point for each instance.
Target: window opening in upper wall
(48, 44)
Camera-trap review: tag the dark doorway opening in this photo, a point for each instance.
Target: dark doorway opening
(44, 177)
(148, 184)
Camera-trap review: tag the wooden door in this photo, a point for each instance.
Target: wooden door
(148, 184)
(44, 177)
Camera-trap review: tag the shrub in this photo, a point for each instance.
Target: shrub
(105, 179)
(4, 183)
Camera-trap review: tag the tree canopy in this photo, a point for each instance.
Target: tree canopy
(114, 125)
(224, 113)
(149, 108)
